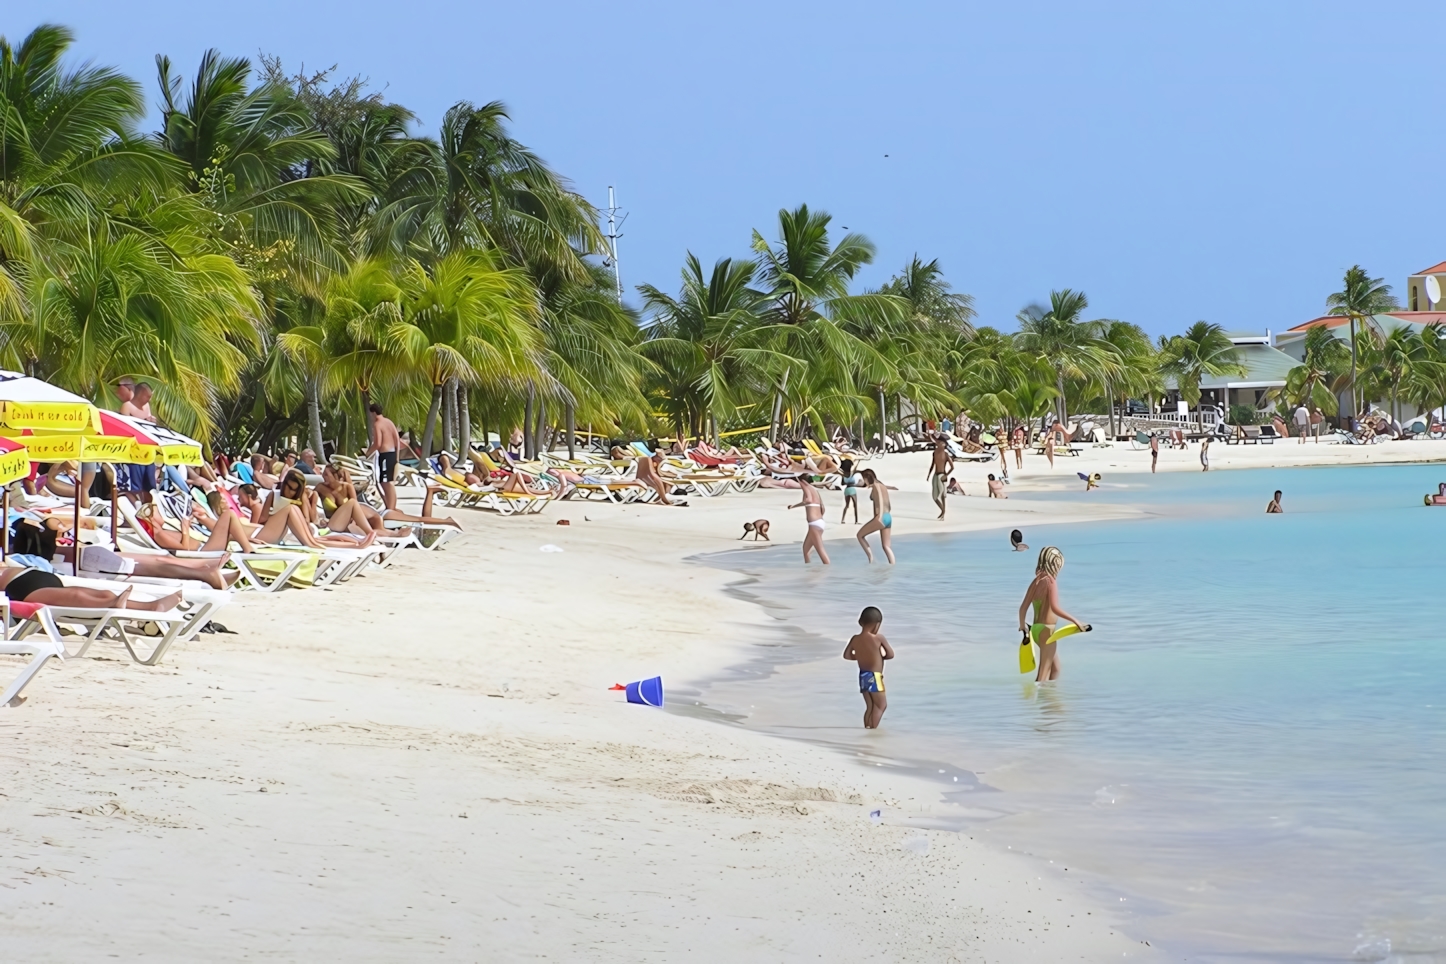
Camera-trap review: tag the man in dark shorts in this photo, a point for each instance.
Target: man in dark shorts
(386, 443)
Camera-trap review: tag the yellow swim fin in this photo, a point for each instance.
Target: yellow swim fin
(1069, 629)
(1026, 655)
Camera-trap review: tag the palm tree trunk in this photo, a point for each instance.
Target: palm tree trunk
(313, 418)
(778, 407)
(883, 421)
(366, 399)
(431, 421)
(571, 432)
(1110, 394)
(543, 443)
(464, 423)
(527, 422)
(1354, 407)
(449, 414)
(1063, 408)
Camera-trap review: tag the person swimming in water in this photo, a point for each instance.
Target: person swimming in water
(1273, 506)
(1016, 539)
(883, 520)
(1043, 594)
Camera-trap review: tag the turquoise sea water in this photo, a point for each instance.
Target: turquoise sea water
(1249, 747)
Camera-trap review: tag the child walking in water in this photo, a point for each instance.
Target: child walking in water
(869, 649)
(851, 491)
(1044, 594)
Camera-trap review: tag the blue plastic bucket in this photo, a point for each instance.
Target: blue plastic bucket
(648, 692)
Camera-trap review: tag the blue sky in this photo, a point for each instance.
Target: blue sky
(1225, 161)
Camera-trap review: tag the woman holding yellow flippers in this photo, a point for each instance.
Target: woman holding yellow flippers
(1043, 593)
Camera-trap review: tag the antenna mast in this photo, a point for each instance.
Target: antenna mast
(614, 222)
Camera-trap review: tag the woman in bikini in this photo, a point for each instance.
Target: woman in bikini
(883, 520)
(282, 512)
(1043, 593)
(812, 503)
(851, 492)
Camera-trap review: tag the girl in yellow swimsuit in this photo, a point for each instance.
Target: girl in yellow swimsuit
(1043, 593)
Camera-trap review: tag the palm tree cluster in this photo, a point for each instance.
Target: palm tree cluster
(286, 249)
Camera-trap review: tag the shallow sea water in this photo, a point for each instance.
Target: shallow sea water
(1247, 751)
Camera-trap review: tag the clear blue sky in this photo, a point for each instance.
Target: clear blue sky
(1224, 161)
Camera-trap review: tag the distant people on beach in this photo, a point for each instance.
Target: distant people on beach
(1302, 422)
(883, 520)
(812, 503)
(1043, 594)
(1049, 448)
(1017, 441)
(996, 488)
(1205, 454)
(941, 463)
(851, 482)
(1016, 539)
(1273, 506)
(954, 487)
(1154, 452)
(869, 649)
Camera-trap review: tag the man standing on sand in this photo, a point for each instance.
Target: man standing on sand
(1302, 421)
(940, 466)
(1154, 452)
(387, 444)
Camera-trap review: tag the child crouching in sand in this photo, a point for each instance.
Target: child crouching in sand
(869, 649)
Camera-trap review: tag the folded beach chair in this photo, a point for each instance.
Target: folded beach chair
(40, 652)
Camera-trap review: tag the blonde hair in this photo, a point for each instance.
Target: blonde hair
(1051, 560)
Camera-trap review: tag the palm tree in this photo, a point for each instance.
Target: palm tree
(1320, 377)
(706, 342)
(1069, 344)
(470, 320)
(1203, 350)
(1360, 300)
(1136, 373)
(808, 309)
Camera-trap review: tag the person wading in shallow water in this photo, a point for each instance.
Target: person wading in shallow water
(1043, 593)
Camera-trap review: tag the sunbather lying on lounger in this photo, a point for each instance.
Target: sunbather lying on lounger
(450, 471)
(111, 563)
(23, 584)
(225, 529)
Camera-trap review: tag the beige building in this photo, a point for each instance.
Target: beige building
(1416, 297)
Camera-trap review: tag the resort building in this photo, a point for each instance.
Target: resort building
(1265, 369)
(1417, 296)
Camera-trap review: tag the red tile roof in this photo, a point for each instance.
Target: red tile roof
(1336, 321)
(1326, 321)
(1435, 269)
(1421, 317)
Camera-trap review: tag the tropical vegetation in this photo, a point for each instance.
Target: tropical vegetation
(286, 249)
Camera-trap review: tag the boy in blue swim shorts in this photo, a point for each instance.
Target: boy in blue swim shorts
(869, 649)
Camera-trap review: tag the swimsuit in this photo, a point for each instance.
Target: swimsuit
(386, 465)
(871, 681)
(817, 524)
(30, 580)
(849, 486)
(939, 485)
(887, 519)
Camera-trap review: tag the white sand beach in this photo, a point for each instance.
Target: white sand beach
(427, 763)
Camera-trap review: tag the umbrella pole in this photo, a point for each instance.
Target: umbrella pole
(75, 531)
(5, 511)
(114, 509)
